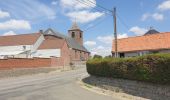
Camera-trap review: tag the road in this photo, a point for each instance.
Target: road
(59, 86)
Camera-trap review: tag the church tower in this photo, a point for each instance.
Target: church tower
(76, 33)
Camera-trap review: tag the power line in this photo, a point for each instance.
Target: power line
(99, 6)
(87, 4)
(122, 21)
(107, 13)
(98, 23)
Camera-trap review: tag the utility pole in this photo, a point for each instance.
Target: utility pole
(115, 32)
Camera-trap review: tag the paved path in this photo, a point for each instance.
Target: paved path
(59, 86)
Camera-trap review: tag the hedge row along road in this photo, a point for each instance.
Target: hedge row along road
(153, 68)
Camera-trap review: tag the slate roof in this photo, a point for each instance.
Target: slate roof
(22, 39)
(70, 41)
(49, 44)
(142, 43)
(152, 31)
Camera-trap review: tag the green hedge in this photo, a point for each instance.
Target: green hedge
(150, 68)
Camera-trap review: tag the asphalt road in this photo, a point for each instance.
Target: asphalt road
(59, 86)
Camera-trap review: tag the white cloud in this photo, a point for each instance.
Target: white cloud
(120, 36)
(104, 49)
(15, 24)
(84, 16)
(77, 5)
(155, 16)
(29, 9)
(9, 33)
(80, 10)
(54, 2)
(4, 14)
(137, 30)
(101, 50)
(105, 39)
(90, 43)
(109, 38)
(145, 16)
(158, 16)
(164, 5)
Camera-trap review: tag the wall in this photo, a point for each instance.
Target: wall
(47, 53)
(15, 48)
(140, 53)
(79, 55)
(131, 90)
(164, 51)
(78, 35)
(29, 63)
(65, 55)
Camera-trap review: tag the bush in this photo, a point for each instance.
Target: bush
(97, 56)
(153, 68)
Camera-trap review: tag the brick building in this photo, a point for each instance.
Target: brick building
(46, 44)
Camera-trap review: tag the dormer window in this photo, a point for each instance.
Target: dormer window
(73, 34)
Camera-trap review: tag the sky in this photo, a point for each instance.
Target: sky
(134, 18)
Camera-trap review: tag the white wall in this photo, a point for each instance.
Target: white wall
(47, 53)
(15, 48)
(164, 51)
(131, 54)
(138, 53)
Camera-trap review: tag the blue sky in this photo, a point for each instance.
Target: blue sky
(134, 18)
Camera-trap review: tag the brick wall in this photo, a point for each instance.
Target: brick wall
(29, 63)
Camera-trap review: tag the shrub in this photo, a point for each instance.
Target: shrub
(153, 68)
(97, 56)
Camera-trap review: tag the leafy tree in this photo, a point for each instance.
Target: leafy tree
(97, 56)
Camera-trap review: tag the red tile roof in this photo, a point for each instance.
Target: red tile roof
(23, 39)
(141, 43)
(52, 44)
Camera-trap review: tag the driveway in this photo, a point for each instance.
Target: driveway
(58, 86)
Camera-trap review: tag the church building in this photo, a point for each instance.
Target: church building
(46, 44)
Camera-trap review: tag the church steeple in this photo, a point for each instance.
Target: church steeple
(76, 33)
(75, 26)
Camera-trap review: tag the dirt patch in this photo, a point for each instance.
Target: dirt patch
(127, 89)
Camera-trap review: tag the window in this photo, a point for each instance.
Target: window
(80, 35)
(122, 55)
(73, 34)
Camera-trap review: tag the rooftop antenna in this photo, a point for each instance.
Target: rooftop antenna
(151, 28)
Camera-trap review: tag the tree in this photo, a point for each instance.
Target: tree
(97, 56)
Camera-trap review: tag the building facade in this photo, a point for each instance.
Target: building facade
(151, 42)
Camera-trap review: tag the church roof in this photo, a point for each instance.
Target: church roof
(142, 43)
(70, 41)
(48, 44)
